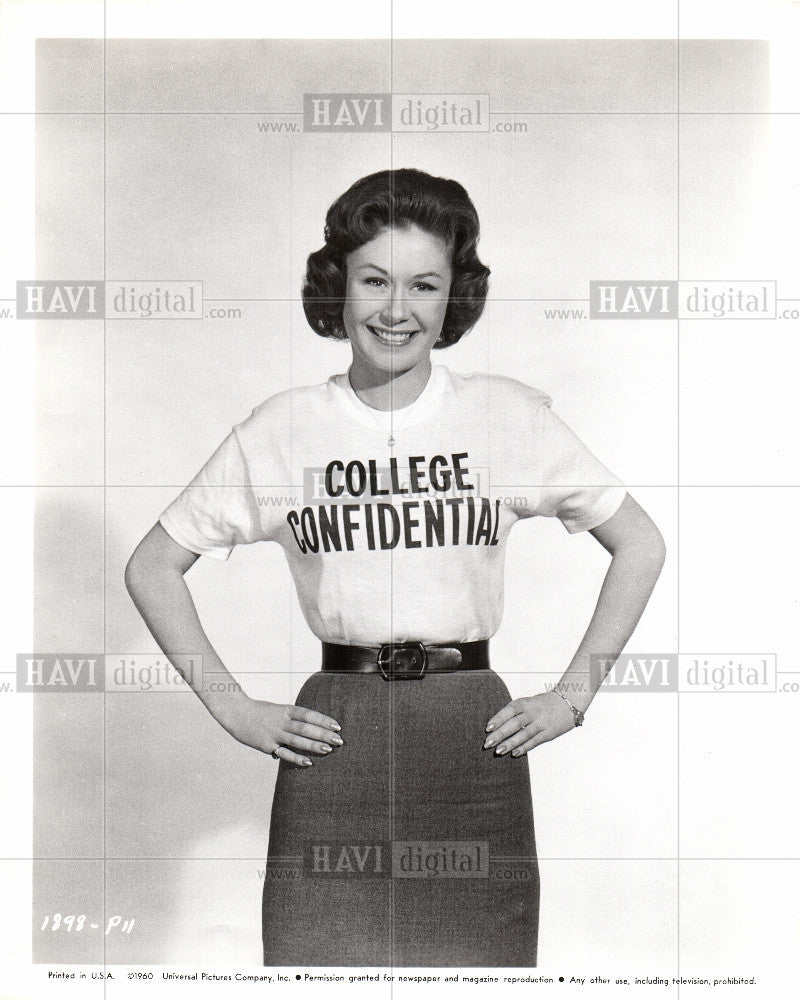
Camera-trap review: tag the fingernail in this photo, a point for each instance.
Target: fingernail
(490, 727)
(306, 762)
(489, 743)
(500, 751)
(516, 753)
(324, 749)
(336, 726)
(337, 742)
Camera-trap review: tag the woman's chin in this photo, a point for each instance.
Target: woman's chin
(391, 361)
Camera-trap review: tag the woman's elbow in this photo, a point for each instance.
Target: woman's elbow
(654, 549)
(136, 573)
(144, 566)
(643, 548)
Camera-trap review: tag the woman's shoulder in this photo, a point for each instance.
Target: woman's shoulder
(285, 407)
(499, 390)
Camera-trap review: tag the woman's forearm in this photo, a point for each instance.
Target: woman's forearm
(629, 582)
(164, 601)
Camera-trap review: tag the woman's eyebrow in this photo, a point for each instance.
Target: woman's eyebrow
(374, 267)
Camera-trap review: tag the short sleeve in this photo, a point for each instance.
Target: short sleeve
(574, 486)
(218, 509)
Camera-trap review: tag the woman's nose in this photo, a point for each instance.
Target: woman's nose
(395, 309)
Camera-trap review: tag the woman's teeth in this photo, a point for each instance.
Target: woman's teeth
(391, 338)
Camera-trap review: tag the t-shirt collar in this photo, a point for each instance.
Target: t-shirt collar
(404, 415)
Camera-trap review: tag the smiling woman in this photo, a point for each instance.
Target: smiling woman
(392, 201)
(404, 309)
(402, 822)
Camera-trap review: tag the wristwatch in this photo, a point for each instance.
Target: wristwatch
(577, 714)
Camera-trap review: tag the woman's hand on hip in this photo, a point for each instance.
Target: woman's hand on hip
(286, 732)
(526, 722)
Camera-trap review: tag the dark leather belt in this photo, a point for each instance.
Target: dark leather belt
(406, 660)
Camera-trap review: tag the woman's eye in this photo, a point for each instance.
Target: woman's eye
(375, 282)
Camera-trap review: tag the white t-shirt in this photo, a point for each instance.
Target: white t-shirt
(395, 543)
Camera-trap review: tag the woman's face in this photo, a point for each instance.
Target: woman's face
(397, 292)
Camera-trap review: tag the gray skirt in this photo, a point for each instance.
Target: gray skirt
(410, 845)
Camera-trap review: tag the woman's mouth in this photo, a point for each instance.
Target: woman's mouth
(393, 338)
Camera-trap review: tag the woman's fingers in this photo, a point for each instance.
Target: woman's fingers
(314, 732)
(541, 737)
(284, 753)
(524, 735)
(304, 732)
(301, 743)
(300, 714)
(525, 723)
(513, 725)
(506, 713)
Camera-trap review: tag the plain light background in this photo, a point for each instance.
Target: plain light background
(601, 185)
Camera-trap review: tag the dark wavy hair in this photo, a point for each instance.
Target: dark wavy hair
(398, 198)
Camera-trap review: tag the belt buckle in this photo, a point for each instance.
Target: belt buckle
(400, 661)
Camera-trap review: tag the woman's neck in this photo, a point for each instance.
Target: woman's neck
(384, 391)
